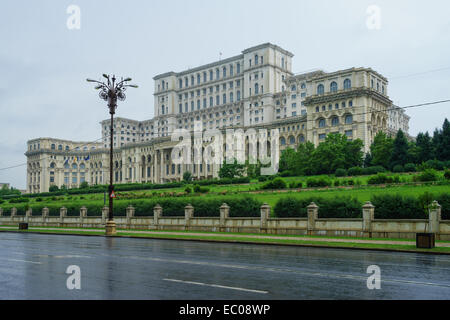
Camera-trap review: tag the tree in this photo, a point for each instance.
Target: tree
(443, 142)
(400, 150)
(425, 147)
(381, 150)
(368, 160)
(304, 161)
(53, 188)
(231, 170)
(187, 176)
(288, 160)
(84, 185)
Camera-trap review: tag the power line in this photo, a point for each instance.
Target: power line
(420, 73)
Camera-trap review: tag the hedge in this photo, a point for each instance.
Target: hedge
(339, 207)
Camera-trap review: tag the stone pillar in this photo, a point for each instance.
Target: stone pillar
(45, 213)
(188, 214)
(265, 214)
(105, 212)
(224, 215)
(313, 214)
(130, 214)
(434, 218)
(368, 211)
(83, 214)
(28, 214)
(62, 214)
(13, 212)
(157, 213)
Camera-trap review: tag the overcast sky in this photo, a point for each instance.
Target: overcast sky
(44, 64)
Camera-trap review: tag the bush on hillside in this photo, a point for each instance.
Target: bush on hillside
(340, 172)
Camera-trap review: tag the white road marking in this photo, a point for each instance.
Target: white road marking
(217, 286)
(16, 260)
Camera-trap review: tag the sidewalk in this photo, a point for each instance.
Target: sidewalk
(238, 236)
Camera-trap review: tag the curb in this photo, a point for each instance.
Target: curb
(305, 245)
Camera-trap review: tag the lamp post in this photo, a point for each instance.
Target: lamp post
(111, 91)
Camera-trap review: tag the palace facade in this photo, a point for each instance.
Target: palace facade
(255, 89)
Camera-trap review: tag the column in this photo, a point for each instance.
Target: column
(83, 214)
(313, 213)
(224, 215)
(368, 217)
(188, 215)
(62, 214)
(265, 214)
(130, 214)
(45, 213)
(157, 213)
(434, 217)
(105, 213)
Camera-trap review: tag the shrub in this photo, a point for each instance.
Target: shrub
(340, 172)
(196, 188)
(339, 207)
(318, 182)
(276, 183)
(373, 170)
(350, 182)
(410, 167)
(262, 178)
(447, 174)
(336, 183)
(427, 175)
(396, 206)
(355, 171)
(2, 201)
(398, 168)
(287, 173)
(380, 178)
(296, 185)
(188, 189)
(19, 200)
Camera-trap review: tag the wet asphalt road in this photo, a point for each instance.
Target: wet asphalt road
(33, 266)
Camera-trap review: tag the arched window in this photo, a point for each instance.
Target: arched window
(238, 68)
(192, 80)
(60, 147)
(282, 63)
(211, 101)
(348, 119)
(301, 139)
(210, 74)
(321, 123)
(320, 89)
(180, 83)
(52, 165)
(66, 166)
(231, 97)
(347, 84)
(162, 109)
(256, 59)
(217, 74)
(335, 121)
(231, 70)
(291, 140)
(294, 88)
(256, 88)
(74, 166)
(224, 98)
(303, 86)
(238, 95)
(53, 146)
(333, 86)
(224, 71)
(282, 141)
(82, 166)
(67, 148)
(198, 78)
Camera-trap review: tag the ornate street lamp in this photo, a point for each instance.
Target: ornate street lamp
(111, 92)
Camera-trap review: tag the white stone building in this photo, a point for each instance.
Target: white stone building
(255, 89)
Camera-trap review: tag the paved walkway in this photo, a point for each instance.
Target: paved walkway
(231, 236)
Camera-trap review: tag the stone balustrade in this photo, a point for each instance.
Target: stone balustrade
(368, 226)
